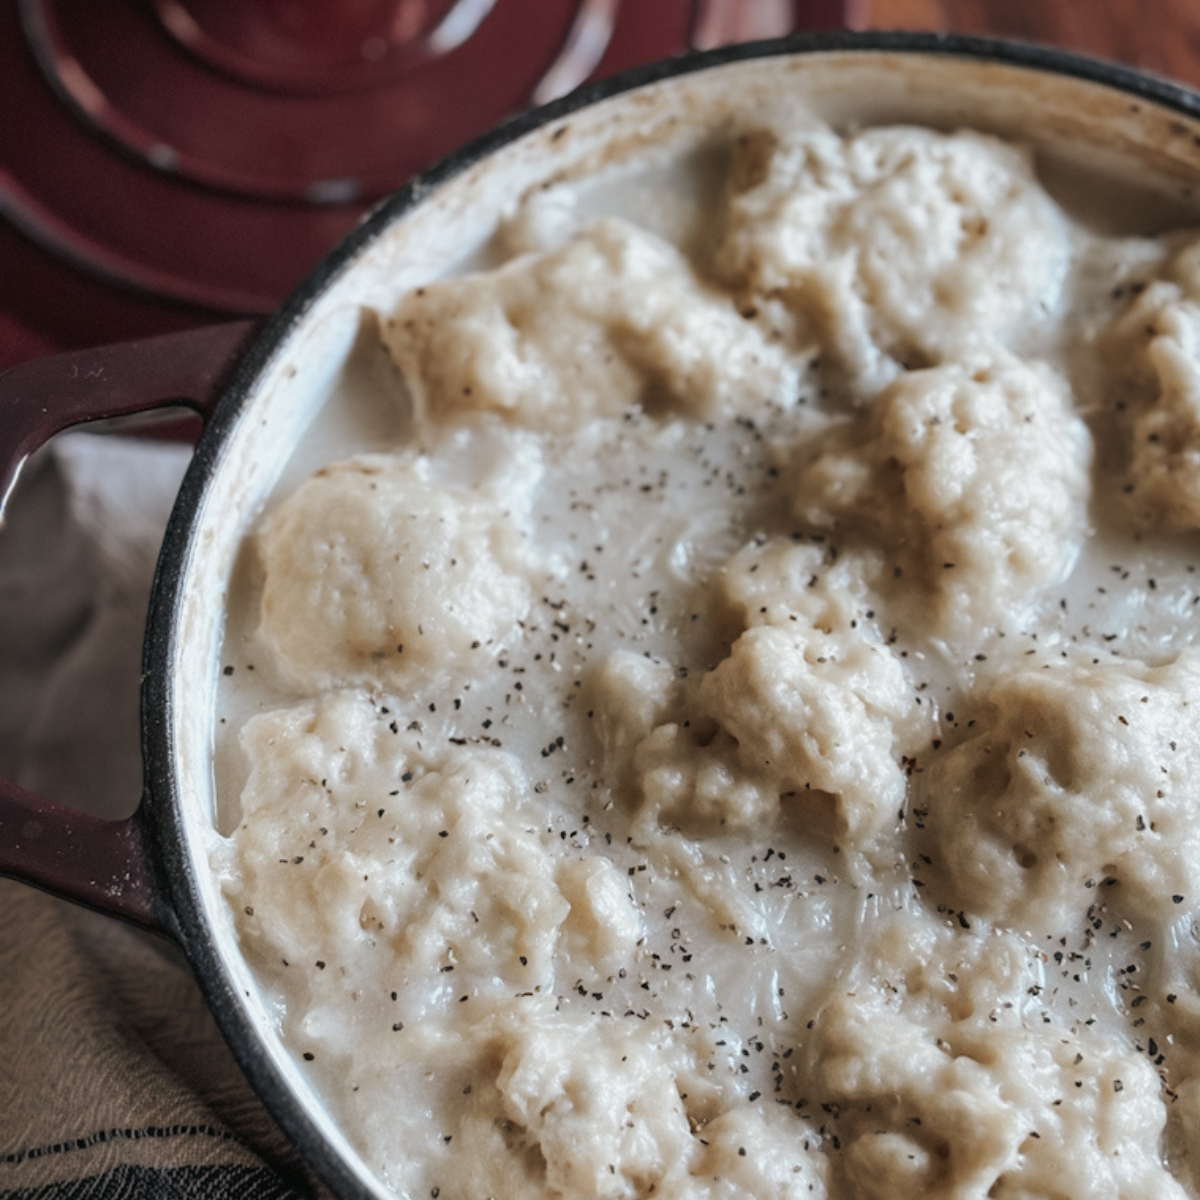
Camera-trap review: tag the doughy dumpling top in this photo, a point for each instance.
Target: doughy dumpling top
(1081, 771)
(942, 1080)
(972, 479)
(1156, 344)
(809, 709)
(578, 1107)
(373, 573)
(361, 844)
(616, 317)
(894, 246)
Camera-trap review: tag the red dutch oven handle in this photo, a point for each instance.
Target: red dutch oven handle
(105, 865)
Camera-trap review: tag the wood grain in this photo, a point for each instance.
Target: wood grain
(1162, 36)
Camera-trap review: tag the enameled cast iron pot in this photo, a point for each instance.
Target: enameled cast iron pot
(257, 389)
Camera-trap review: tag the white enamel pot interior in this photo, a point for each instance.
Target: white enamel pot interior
(1112, 123)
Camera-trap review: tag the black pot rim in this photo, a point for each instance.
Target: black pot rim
(161, 806)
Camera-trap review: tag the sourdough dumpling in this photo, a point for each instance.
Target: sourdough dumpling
(616, 317)
(896, 245)
(1081, 771)
(972, 477)
(601, 1103)
(810, 708)
(354, 839)
(943, 1082)
(1156, 344)
(372, 573)
(610, 1109)
(816, 711)
(757, 1153)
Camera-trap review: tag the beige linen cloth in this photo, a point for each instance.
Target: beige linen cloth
(114, 1082)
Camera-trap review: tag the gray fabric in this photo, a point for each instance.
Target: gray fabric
(114, 1081)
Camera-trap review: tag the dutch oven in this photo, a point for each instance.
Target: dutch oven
(257, 387)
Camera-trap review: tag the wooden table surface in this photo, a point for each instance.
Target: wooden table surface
(1162, 36)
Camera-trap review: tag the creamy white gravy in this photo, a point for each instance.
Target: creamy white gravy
(674, 893)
